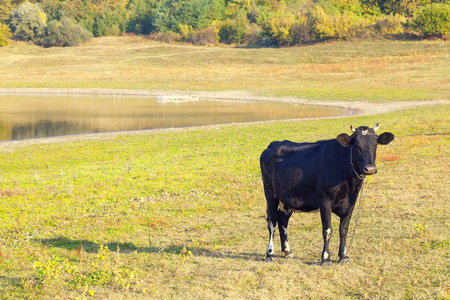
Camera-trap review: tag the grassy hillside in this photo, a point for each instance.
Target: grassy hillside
(376, 71)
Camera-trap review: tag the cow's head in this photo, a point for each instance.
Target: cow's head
(363, 143)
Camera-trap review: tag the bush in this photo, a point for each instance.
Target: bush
(234, 30)
(170, 37)
(322, 25)
(5, 35)
(28, 22)
(301, 30)
(337, 27)
(226, 30)
(170, 14)
(432, 20)
(112, 21)
(390, 25)
(139, 12)
(5, 10)
(253, 35)
(81, 11)
(205, 36)
(348, 26)
(64, 33)
(277, 27)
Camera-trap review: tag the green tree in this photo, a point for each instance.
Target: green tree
(432, 20)
(64, 33)
(28, 22)
(78, 10)
(139, 16)
(110, 22)
(170, 14)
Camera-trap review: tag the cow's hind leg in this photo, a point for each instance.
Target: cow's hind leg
(284, 214)
(272, 209)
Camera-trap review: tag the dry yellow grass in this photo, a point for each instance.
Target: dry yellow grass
(360, 70)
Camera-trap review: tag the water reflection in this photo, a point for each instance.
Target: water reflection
(26, 117)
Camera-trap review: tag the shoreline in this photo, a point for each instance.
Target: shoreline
(354, 108)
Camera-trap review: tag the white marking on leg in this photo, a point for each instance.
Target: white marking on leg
(270, 247)
(328, 234)
(286, 247)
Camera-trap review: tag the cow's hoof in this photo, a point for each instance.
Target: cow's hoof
(345, 260)
(270, 258)
(289, 254)
(326, 263)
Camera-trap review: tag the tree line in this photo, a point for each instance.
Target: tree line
(245, 22)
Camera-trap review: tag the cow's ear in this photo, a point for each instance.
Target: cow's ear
(344, 139)
(385, 138)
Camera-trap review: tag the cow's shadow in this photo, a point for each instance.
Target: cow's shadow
(126, 248)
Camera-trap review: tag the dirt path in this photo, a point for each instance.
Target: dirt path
(358, 108)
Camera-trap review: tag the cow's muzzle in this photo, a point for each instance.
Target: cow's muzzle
(370, 170)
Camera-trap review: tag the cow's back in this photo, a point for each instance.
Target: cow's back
(286, 153)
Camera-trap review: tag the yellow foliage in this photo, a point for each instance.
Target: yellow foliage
(5, 34)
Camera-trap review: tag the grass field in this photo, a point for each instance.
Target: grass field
(376, 71)
(180, 213)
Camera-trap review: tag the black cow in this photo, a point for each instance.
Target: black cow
(324, 176)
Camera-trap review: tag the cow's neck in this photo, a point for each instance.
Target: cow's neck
(359, 176)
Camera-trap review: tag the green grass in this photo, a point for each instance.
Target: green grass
(167, 213)
(375, 71)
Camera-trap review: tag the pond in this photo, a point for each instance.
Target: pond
(28, 117)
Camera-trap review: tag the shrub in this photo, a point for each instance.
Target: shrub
(301, 30)
(234, 30)
(112, 21)
(348, 26)
(5, 10)
(28, 22)
(139, 20)
(253, 35)
(226, 30)
(204, 36)
(81, 11)
(64, 33)
(5, 35)
(280, 29)
(241, 27)
(170, 37)
(432, 20)
(277, 27)
(169, 14)
(342, 26)
(322, 24)
(390, 25)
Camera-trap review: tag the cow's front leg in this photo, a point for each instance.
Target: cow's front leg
(343, 230)
(325, 215)
(284, 214)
